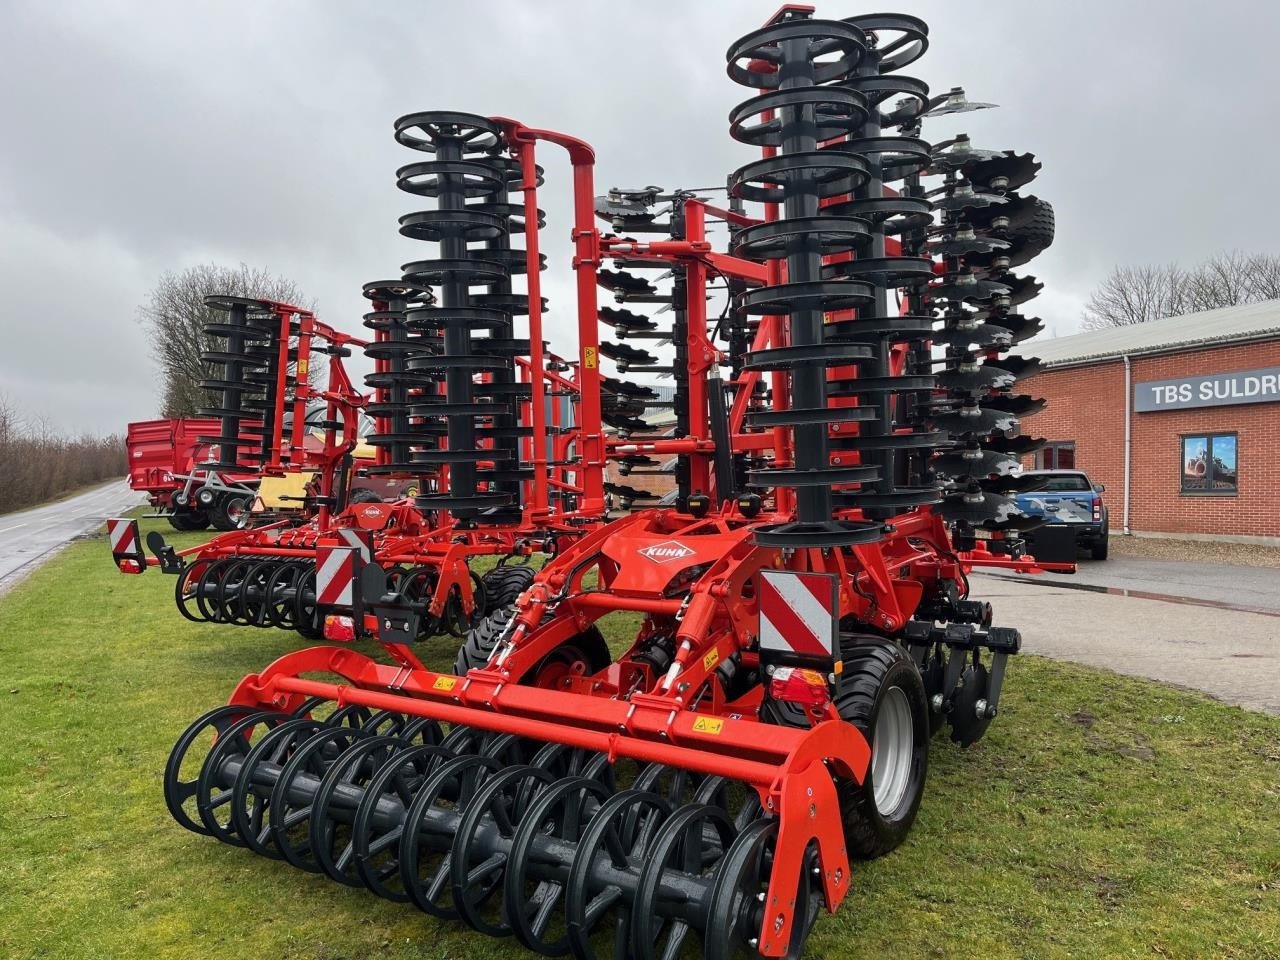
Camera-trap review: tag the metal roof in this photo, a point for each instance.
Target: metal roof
(1249, 321)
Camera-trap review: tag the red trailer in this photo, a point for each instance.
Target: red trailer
(163, 459)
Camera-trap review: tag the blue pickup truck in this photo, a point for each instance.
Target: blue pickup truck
(1067, 497)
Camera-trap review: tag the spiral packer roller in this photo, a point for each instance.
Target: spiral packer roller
(394, 344)
(431, 432)
(244, 368)
(822, 121)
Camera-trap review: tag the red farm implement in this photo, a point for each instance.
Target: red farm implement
(498, 439)
(786, 636)
(164, 463)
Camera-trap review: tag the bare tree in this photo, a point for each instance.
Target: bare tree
(1221, 281)
(175, 316)
(38, 464)
(1130, 295)
(1264, 276)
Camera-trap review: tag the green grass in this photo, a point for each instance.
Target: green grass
(1101, 817)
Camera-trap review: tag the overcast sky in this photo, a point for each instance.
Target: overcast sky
(139, 138)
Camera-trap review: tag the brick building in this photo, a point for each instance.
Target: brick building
(1179, 418)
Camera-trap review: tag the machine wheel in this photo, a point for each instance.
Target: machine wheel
(1100, 549)
(363, 495)
(503, 584)
(582, 655)
(1037, 231)
(587, 651)
(478, 646)
(231, 512)
(186, 520)
(880, 693)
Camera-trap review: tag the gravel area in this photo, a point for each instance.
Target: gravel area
(1195, 551)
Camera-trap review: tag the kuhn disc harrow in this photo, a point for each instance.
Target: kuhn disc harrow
(799, 620)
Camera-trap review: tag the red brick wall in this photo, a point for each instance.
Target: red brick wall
(1086, 404)
(656, 483)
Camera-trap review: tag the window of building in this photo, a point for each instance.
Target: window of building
(1058, 455)
(1209, 464)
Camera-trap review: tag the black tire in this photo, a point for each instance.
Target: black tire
(503, 584)
(1100, 549)
(230, 512)
(872, 667)
(1033, 234)
(363, 495)
(872, 670)
(481, 639)
(188, 520)
(588, 646)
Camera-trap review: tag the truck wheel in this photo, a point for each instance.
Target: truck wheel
(188, 520)
(1099, 550)
(231, 512)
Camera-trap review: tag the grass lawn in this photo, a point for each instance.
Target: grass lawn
(1101, 817)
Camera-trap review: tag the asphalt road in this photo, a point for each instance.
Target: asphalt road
(31, 537)
(1239, 586)
(1185, 639)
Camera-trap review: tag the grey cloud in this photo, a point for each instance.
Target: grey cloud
(146, 137)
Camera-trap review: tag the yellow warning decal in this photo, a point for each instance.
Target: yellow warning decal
(302, 369)
(589, 357)
(710, 660)
(711, 725)
(445, 683)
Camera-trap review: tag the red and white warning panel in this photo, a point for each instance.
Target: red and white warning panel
(336, 572)
(126, 545)
(798, 615)
(361, 540)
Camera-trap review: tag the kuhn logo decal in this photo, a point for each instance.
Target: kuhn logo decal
(667, 551)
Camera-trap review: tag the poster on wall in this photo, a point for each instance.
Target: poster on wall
(1209, 463)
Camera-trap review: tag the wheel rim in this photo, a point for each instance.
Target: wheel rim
(892, 750)
(237, 511)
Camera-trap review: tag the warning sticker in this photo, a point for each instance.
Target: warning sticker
(445, 683)
(711, 725)
(710, 660)
(589, 357)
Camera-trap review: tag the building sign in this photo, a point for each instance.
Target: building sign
(1213, 390)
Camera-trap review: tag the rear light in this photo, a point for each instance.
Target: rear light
(130, 566)
(339, 628)
(1097, 511)
(806, 688)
